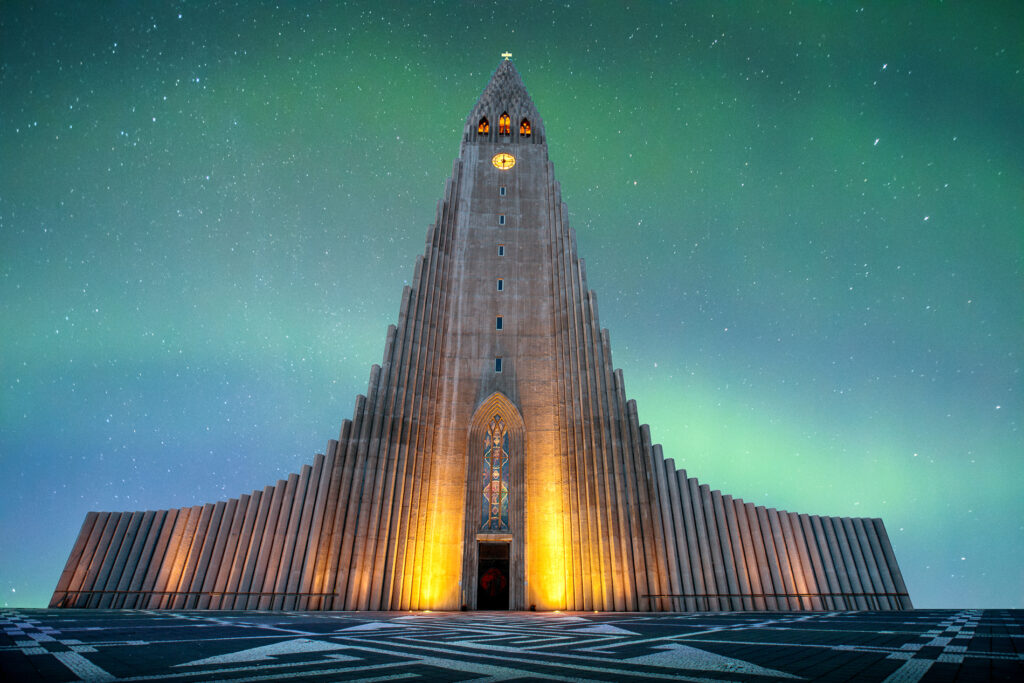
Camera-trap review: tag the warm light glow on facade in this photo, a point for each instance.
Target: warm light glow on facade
(545, 549)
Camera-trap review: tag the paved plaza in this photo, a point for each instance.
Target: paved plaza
(101, 645)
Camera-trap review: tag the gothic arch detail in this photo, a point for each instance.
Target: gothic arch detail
(496, 418)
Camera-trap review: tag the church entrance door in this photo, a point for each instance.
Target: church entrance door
(492, 577)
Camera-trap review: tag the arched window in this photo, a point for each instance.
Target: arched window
(524, 128)
(494, 507)
(484, 126)
(504, 125)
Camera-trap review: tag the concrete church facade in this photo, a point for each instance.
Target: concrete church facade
(494, 462)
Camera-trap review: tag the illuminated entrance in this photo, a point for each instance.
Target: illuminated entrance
(492, 576)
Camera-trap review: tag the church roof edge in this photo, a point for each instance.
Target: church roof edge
(505, 93)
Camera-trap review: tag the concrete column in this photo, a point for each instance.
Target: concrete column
(576, 484)
(836, 556)
(135, 569)
(259, 573)
(692, 545)
(753, 549)
(248, 544)
(746, 570)
(782, 554)
(100, 565)
(603, 537)
(351, 567)
(671, 582)
(219, 560)
(859, 564)
(321, 577)
(158, 566)
(802, 528)
(877, 586)
(617, 483)
(116, 564)
(815, 533)
(95, 546)
(758, 542)
(650, 473)
(293, 547)
(190, 551)
(205, 552)
(732, 564)
(177, 555)
(722, 582)
(278, 529)
(60, 595)
(300, 579)
(259, 527)
(174, 559)
(850, 569)
(679, 533)
(704, 543)
(880, 562)
(392, 466)
(894, 568)
(351, 491)
(376, 468)
(803, 558)
(772, 559)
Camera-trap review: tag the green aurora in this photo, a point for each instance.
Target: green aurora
(803, 222)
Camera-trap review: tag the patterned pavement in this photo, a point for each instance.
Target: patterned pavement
(102, 645)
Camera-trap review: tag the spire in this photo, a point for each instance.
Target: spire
(505, 94)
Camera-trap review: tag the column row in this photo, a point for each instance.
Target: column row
(731, 555)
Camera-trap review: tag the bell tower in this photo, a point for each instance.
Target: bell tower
(499, 369)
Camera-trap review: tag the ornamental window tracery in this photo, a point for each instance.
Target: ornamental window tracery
(494, 506)
(524, 128)
(505, 124)
(484, 126)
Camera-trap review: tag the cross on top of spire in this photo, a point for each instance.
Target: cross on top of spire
(507, 55)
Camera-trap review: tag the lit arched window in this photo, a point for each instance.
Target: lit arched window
(484, 126)
(524, 128)
(504, 125)
(494, 507)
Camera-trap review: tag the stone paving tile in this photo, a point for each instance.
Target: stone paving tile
(891, 647)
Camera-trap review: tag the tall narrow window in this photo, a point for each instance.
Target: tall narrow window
(494, 506)
(501, 219)
(484, 126)
(524, 128)
(501, 250)
(498, 323)
(501, 190)
(504, 125)
(497, 365)
(501, 284)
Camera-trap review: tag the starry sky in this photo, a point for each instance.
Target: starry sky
(803, 222)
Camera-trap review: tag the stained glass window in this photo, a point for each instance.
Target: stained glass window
(524, 128)
(494, 509)
(504, 124)
(484, 126)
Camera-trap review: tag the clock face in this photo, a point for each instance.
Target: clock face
(504, 161)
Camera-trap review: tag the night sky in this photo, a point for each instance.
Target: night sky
(803, 222)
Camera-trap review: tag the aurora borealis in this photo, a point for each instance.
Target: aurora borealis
(803, 223)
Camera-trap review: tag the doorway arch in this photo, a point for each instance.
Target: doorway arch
(496, 433)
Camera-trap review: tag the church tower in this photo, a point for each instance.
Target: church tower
(494, 462)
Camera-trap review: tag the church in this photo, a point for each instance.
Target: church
(495, 461)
